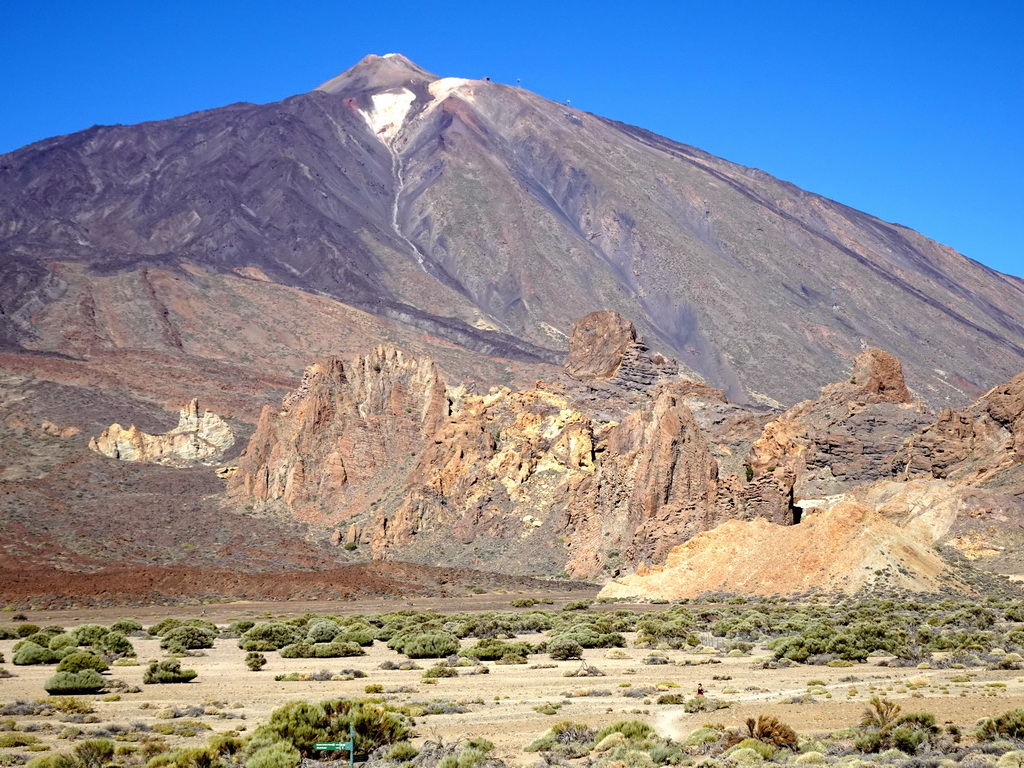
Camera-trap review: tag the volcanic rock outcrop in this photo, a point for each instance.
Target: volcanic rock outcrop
(980, 445)
(201, 438)
(533, 481)
(343, 436)
(959, 482)
(848, 435)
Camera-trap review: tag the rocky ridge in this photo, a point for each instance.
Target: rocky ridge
(888, 500)
(614, 467)
(539, 480)
(848, 435)
(974, 445)
(337, 441)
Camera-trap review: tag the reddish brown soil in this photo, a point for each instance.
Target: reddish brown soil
(51, 588)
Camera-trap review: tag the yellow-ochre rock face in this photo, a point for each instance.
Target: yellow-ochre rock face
(201, 438)
(621, 466)
(601, 469)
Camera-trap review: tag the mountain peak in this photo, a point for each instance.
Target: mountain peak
(377, 73)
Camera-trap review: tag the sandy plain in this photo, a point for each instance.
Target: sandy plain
(503, 705)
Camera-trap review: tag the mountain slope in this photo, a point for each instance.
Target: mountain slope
(488, 219)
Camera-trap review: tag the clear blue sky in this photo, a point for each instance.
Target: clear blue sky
(910, 110)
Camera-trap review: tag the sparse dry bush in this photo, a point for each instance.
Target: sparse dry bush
(771, 730)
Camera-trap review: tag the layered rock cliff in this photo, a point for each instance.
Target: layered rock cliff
(201, 438)
(980, 445)
(848, 435)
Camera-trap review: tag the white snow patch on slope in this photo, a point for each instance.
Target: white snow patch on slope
(441, 89)
(389, 111)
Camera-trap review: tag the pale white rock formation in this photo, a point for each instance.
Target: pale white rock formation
(201, 438)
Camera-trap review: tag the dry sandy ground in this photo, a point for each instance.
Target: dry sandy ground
(502, 703)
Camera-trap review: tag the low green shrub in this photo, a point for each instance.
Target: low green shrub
(672, 698)
(279, 754)
(302, 724)
(509, 658)
(301, 650)
(588, 636)
(402, 752)
(1009, 724)
(126, 626)
(94, 752)
(440, 670)
(32, 653)
(167, 671)
(703, 735)
(322, 631)
(188, 637)
(117, 645)
(745, 756)
(426, 645)
(163, 626)
(631, 729)
(65, 641)
(71, 683)
(270, 636)
(569, 739)
(16, 739)
(76, 662)
(564, 649)
(255, 661)
(364, 637)
(239, 627)
(337, 650)
(703, 704)
(763, 750)
(89, 634)
(577, 605)
(492, 649)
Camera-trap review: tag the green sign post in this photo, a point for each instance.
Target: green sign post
(335, 746)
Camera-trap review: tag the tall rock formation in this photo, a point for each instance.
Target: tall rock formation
(657, 485)
(977, 445)
(337, 441)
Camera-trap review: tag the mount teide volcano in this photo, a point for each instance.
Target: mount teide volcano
(220, 252)
(424, 248)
